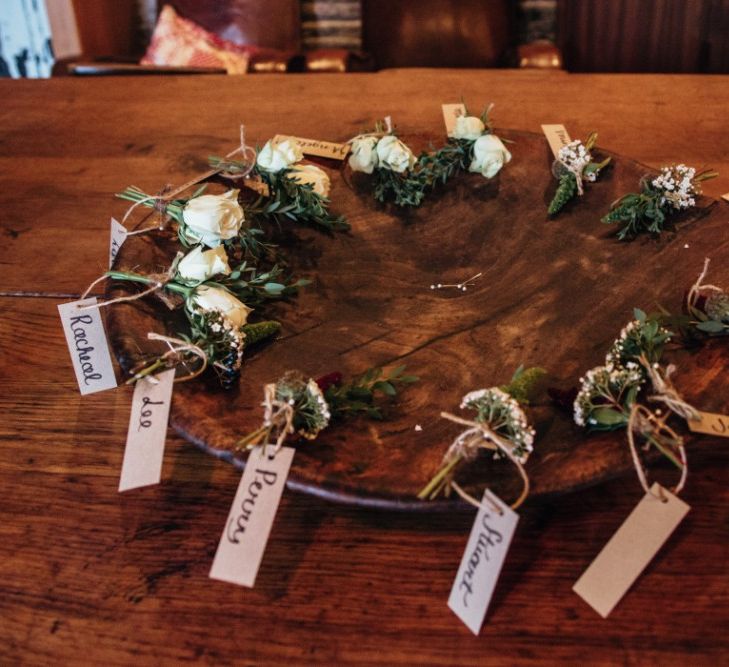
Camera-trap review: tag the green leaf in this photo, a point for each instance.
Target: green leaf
(639, 315)
(608, 417)
(385, 387)
(710, 326)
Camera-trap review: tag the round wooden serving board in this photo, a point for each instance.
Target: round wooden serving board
(554, 293)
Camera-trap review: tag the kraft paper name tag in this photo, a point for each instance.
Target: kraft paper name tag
(629, 551)
(87, 344)
(145, 448)
(450, 113)
(711, 424)
(316, 147)
(116, 239)
(481, 564)
(725, 196)
(241, 546)
(557, 137)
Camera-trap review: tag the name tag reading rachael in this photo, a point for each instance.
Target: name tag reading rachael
(147, 432)
(451, 112)
(243, 542)
(86, 340)
(557, 136)
(316, 147)
(482, 560)
(116, 239)
(710, 424)
(627, 554)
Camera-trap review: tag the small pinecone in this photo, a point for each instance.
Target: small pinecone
(717, 306)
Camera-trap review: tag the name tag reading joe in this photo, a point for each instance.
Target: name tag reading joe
(241, 546)
(87, 344)
(482, 560)
(145, 446)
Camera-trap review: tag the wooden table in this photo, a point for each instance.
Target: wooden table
(89, 575)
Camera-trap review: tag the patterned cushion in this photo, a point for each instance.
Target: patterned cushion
(180, 42)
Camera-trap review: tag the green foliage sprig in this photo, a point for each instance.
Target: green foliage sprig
(674, 189)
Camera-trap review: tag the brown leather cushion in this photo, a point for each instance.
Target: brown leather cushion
(437, 33)
(275, 24)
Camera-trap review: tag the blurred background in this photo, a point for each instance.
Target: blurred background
(40, 38)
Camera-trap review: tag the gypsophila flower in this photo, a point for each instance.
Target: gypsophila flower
(643, 337)
(575, 157)
(677, 186)
(605, 396)
(504, 415)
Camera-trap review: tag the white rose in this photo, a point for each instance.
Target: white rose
(364, 155)
(468, 127)
(211, 219)
(281, 156)
(393, 154)
(489, 155)
(309, 174)
(199, 265)
(223, 302)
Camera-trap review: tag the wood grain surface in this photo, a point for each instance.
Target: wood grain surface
(566, 279)
(89, 576)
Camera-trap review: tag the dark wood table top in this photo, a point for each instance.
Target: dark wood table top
(91, 575)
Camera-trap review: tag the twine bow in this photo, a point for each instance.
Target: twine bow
(666, 393)
(177, 347)
(655, 430)
(159, 281)
(466, 446)
(695, 291)
(162, 198)
(277, 416)
(575, 171)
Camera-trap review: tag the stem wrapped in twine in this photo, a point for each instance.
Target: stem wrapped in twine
(666, 393)
(655, 430)
(177, 348)
(156, 282)
(465, 447)
(278, 417)
(162, 199)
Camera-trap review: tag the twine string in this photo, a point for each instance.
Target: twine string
(160, 280)
(278, 416)
(650, 426)
(666, 393)
(177, 347)
(697, 287)
(466, 446)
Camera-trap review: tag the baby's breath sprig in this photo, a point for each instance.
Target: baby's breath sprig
(607, 399)
(573, 166)
(499, 425)
(674, 189)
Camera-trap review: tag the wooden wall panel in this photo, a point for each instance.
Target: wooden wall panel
(644, 35)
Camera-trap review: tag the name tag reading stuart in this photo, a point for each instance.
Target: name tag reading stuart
(451, 112)
(315, 147)
(557, 136)
(627, 554)
(87, 344)
(147, 432)
(243, 542)
(482, 560)
(710, 423)
(116, 238)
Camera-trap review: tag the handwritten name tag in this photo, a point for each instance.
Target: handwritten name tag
(87, 344)
(711, 424)
(557, 137)
(241, 546)
(145, 447)
(451, 112)
(481, 564)
(725, 196)
(629, 551)
(116, 239)
(316, 147)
